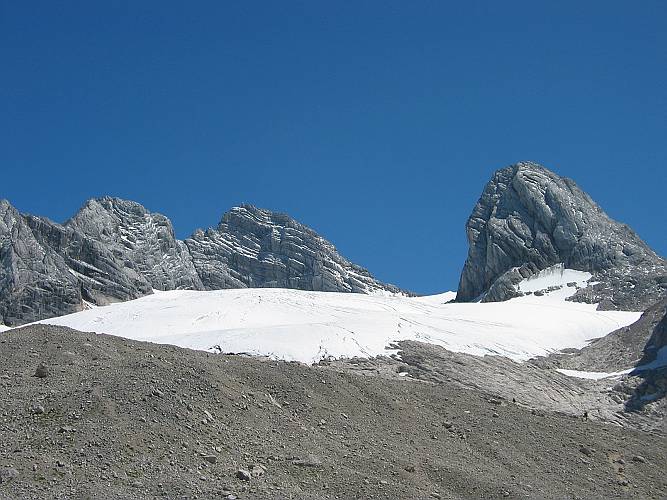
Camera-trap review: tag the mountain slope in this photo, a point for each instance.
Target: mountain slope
(528, 219)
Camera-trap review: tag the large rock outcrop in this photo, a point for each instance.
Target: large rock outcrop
(529, 219)
(103, 276)
(658, 340)
(142, 241)
(35, 282)
(252, 247)
(115, 250)
(652, 387)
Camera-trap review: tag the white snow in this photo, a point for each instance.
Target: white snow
(592, 375)
(4, 328)
(556, 275)
(308, 326)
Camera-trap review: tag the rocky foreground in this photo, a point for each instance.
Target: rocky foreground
(106, 417)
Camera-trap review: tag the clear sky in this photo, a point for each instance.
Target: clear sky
(376, 123)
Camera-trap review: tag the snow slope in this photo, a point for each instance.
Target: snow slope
(308, 326)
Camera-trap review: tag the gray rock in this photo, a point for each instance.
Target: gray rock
(307, 461)
(651, 377)
(8, 474)
(658, 338)
(257, 470)
(243, 475)
(37, 409)
(586, 450)
(35, 282)
(41, 371)
(529, 219)
(141, 240)
(103, 275)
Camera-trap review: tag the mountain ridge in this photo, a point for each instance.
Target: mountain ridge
(527, 219)
(115, 250)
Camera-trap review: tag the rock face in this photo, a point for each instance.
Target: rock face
(252, 247)
(35, 282)
(115, 250)
(653, 385)
(529, 219)
(101, 275)
(658, 339)
(142, 241)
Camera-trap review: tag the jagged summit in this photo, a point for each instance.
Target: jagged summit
(528, 219)
(115, 250)
(262, 215)
(145, 241)
(254, 247)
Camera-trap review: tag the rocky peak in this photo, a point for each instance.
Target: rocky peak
(528, 219)
(141, 239)
(254, 247)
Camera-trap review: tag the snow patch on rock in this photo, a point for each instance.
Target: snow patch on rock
(555, 282)
(592, 375)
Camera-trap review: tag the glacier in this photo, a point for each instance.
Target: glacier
(307, 326)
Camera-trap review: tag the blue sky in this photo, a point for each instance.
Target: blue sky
(376, 123)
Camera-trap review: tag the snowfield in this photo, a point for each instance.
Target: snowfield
(308, 326)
